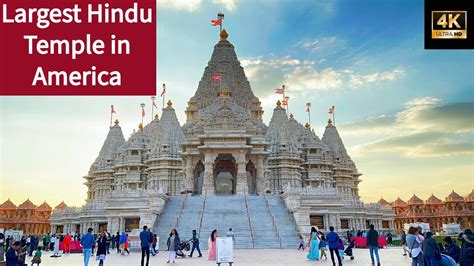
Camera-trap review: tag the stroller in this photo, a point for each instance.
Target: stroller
(349, 248)
(184, 246)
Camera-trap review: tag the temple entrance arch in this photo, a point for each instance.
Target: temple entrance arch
(198, 177)
(225, 172)
(251, 178)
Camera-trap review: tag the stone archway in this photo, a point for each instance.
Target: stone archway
(251, 178)
(225, 172)
(198, 178)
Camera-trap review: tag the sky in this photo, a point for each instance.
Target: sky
(405, 114)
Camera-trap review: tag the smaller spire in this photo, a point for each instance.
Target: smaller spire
(116, 122)
(224, 35)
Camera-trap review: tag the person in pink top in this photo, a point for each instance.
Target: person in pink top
(212, 244)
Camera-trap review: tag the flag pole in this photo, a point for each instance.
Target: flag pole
(163, 96)
(308, 105)
(334, 115)
(152, 106)
(143, 106)
(220, 16)
(111, 115)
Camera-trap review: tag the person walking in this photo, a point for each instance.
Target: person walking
(313, 244)
(13, 253)
(431, 250)
(467, 248)
(323, 246)
(109, 240)
(101, 248)
(145, 241)
(414, 242)
(195, 241)
(212, 241)
(123, 239)
(117, 242)
(301, 240)
(403, 242)
(46, 240)
(86, 242)
(452, 249)
(126, 244)
(67, 244)
(373, 244)
(389, 239)
(37, 257)
(333, 240)
(173, 243)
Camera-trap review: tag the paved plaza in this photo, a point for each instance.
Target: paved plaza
(389, 256)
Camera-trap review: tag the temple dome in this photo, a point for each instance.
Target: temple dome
(332, 139)
(27, 205)
(61, 206)
(454, 197)
(8, 205)
(470, 196)
(104, 160)
(44, 207)
(280, 135)
(414, 200)
(383, 202)
(433, 200)
(399, 203)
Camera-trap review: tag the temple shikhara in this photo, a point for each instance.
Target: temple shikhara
(455, 209)
(224, 168)
(27, 217)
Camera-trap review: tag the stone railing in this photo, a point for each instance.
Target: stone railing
(313, 191)
(249, 220)
(273, 219)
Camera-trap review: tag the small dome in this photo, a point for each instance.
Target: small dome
(470, 197)
(383, 202)
(414, 200)
(27, 205)
(61, 206)
(399, 203)
(8, 205)
(454, 197)
(44, 207)
(433, 200)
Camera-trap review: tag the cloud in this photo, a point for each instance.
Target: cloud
(188, 5)
(230, 5)
(266, 74)
(325, 45)
(425, 128)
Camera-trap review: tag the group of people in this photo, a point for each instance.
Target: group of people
(424, 250)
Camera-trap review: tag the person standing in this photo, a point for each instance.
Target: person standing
(145, 240)
(333, 240)
(67, 244)
(101, 248)
(373, 244)
(313, 244)
(431, 250)
(230, 233)
(452, 249)
(414, 242)
(403, 240)
(212, 241)
(195, 241)
(322, 246)
(51, 243)
(467, 248)
(173, 243)
(125, 245)
(12, 255)
(37, 257)
(86, 242)
(2, 250)
(56, 246)
(301, 246)
(109, 239)
(154, 242)
(389, 239)
(117, 242)
(123, 239)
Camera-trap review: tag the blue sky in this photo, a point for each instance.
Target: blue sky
(404, 113)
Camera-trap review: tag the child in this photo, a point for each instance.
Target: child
(301, 243)
(340, 247)
(323, 247)
(37, 257)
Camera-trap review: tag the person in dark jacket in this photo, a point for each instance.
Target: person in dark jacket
(102, 248)
(173, 243)
(333, 240)
(466, 258)
(430, 250)
(195, 241)
(452, 249)
(12, 255)
(373, 244)
(145, 240)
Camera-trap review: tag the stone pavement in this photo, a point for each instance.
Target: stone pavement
(255, 257)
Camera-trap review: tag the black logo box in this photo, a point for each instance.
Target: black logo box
(448, 5)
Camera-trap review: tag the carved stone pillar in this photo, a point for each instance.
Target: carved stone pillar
(260, 176)
(189, 179)
(242, 184)
(208, 186)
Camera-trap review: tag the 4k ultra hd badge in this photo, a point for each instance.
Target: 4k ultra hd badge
(447, 24)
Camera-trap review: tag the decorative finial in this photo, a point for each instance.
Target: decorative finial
(170, 103)
(291, 115)
(140, 126)
(156, 117)
(116, 122)
(306, 125)
(224, 35)
(330, 121)
(278, 103)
